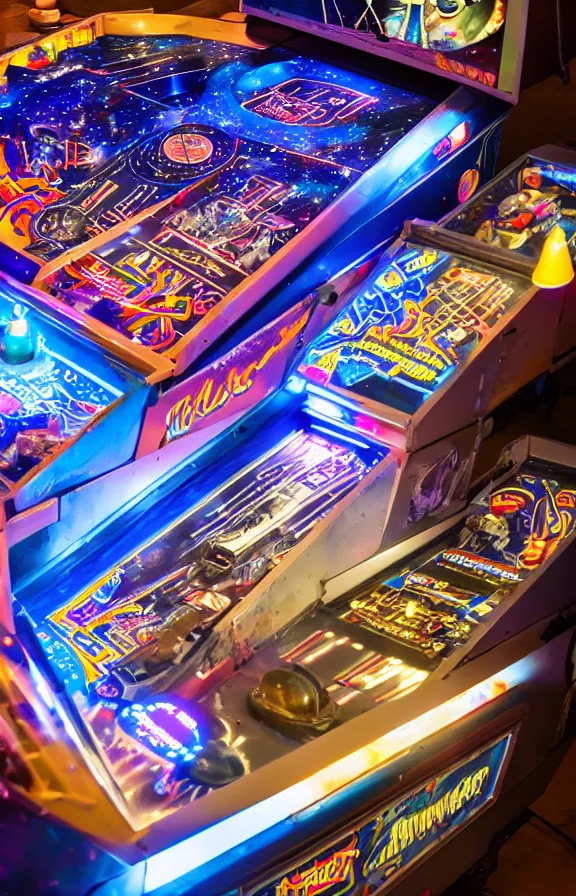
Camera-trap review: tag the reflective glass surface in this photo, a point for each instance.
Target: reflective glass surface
(411, 326)
(51, 386)
(441, 596)
(131, 647)
(225, 153)
(518, 210)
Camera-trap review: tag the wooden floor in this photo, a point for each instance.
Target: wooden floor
(535, 862)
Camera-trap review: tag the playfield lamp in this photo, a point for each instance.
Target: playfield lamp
(17, 345)
(555, 267)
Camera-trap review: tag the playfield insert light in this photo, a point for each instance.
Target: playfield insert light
(17, 345)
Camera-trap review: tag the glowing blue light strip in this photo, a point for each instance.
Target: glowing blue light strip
(190, 854)
(335, 434)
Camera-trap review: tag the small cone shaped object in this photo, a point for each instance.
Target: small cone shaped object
(555, 266)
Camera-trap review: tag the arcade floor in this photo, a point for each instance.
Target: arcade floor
(535, 862)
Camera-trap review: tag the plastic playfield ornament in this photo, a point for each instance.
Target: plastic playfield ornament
(555, 267)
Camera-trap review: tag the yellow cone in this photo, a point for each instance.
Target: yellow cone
(555, 266)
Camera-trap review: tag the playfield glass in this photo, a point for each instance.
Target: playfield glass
(139, 632)
(438, 600)
(204, 158)
(411, 326)
(518, 210)
(52, 388)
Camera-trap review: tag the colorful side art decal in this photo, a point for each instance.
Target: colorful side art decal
(438, 485)
(519, 210)
(253, 368)
(416, 322)
(461, 37)
(385, 848)
(436, 602)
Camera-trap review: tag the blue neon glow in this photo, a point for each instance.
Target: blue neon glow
(341, 436)
(324, 408)
(249, 148)
(53, 388)
(192, 853)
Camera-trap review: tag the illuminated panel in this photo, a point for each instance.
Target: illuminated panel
(140, 621)
(436, 602)
(70, 111)
(458, 37)
(383, 849)
(241, 378)
(195, 851)
(235, 152)
(411, 327)
(48, 396)
(517, 210)
(122, 643)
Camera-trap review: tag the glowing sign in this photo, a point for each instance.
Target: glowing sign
(384, 848)
(164, 727)
(434, 813)
(334, 875)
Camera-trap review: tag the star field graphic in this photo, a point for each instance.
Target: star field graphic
(220, 155)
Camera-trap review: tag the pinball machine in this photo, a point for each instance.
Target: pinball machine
(298, 557)
(162, 178)
(162, 175)
(519, 210)
(182, 616)
(427, 689)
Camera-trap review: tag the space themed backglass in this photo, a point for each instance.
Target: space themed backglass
(465, 39)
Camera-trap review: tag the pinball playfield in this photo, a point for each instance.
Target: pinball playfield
(521, 207)
(420, 317)
(60, 395)
(161, 175)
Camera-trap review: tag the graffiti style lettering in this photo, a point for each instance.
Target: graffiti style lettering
(337, 869)
(217, 390)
